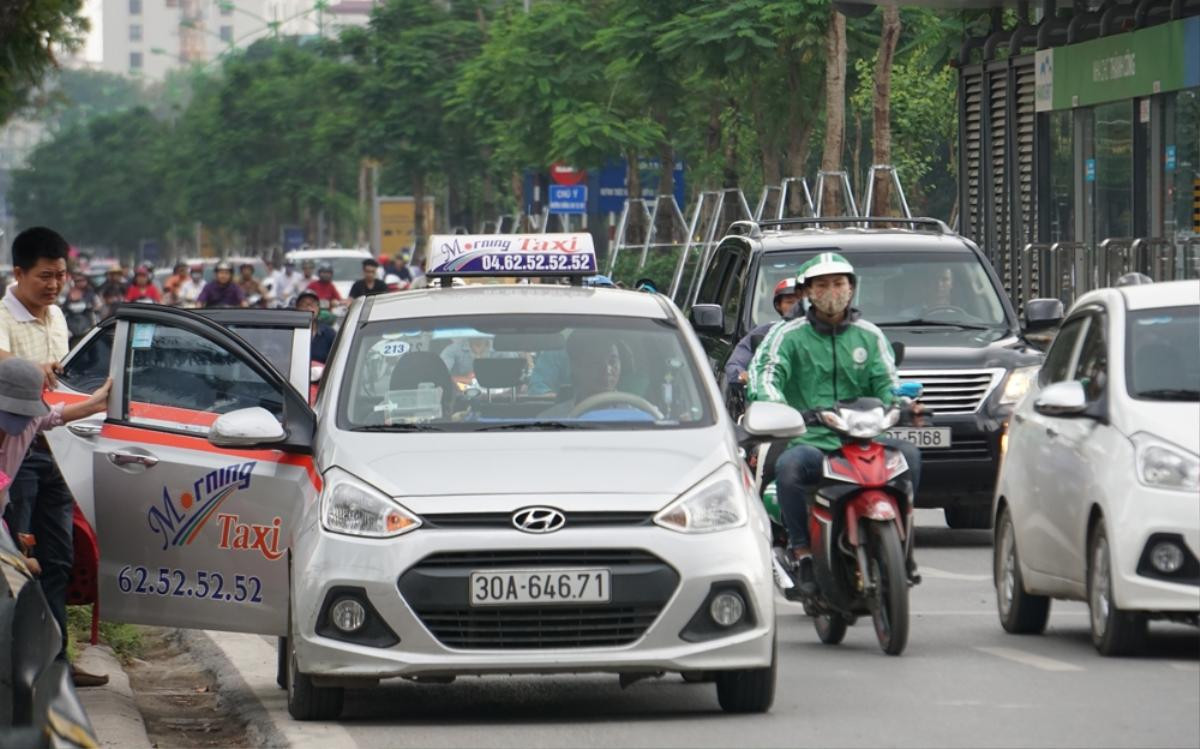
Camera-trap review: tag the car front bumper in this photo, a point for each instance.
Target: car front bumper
(1155, 514)
(737, 557)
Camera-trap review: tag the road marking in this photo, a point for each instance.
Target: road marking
(1029, 659)
(947, 575)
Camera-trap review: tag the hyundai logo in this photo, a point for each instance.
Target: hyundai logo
(538, 520)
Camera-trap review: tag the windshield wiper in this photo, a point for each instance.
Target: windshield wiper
(539, 425)
(1170, 394)
(931, 323)
(397, 428)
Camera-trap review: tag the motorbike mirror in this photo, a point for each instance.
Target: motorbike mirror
(898, 352)
(772, 420)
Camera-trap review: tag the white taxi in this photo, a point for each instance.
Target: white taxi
(1098, 492)
(495, 479)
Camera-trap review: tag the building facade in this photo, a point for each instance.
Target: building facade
(148, 38)
(1079, 153)
(306, 18)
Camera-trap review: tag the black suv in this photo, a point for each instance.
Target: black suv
(927, 288)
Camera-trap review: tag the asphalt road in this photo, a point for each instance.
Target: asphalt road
(962, 682)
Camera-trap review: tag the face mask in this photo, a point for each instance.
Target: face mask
(831, 302)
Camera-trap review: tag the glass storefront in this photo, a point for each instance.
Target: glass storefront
(1112, 173)
(1182, 161)
(1061, 201)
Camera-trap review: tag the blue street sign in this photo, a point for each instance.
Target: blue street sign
(614, 188)
(1170, 158)
(293, 238)
(568, 199)
(1090, 170)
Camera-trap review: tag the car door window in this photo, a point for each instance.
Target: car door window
(716, 275)
(1092, 369)
(1058, 360)
(88, 368)
(177, 379)
(733, 293)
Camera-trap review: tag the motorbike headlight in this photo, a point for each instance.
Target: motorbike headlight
(1017, 384)
(1162, 464)
(355, 508)
(717, 503)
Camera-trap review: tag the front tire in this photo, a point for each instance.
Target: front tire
(831, 627)
(1114, 631)
(750, 690)
(1021, 613)
(887, 572)
(307, 701)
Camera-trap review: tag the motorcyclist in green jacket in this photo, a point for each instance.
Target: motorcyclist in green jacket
(812, 362)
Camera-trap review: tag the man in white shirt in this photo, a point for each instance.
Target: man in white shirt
(287, 283)
(32, 327)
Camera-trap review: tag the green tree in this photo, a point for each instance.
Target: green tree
(30, 32)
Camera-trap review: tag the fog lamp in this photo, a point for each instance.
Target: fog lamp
(727, 609)
(348, 615)
(1166, 557)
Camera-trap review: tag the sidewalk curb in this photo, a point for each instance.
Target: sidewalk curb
(111, 708)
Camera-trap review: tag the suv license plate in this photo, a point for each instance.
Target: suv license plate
(542, 587)
(931, 437)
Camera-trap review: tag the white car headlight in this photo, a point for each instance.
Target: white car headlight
(717, 503)
(355, 508)
(1017, 384)
(1162, 464)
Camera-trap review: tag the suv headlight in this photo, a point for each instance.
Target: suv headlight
(355, 508)
(1162, 464)
(717, 503)
(1017, 384)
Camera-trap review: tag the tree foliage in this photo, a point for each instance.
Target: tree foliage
(30, 32)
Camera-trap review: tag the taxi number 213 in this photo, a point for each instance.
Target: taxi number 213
(201, 584)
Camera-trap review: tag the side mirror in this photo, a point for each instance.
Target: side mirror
(898, 352)
(1043, 314)
(246, 427)
(772, 420)
(315, 372)
(707, 318)
(1061, 399)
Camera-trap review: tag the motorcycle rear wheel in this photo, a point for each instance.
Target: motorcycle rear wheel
(831, 627)
(885, 555)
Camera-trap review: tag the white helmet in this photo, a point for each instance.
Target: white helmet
(827, 264)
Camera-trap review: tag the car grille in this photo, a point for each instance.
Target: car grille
(960, 449)
(472, 520)
(437, 590)
(954, 391)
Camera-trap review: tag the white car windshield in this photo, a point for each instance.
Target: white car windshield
(1162, 357)
(344, 268)
(898, 287)
(493, 372)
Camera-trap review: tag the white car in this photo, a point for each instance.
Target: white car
(414, 524)
(1098, 497)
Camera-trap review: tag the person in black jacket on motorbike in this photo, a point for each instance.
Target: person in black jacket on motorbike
(80, 308)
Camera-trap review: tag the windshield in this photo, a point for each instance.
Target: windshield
(344, 268)
(537, 372)
(1162, 355)
(893, 287)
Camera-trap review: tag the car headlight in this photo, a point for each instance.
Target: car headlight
(717, 503)
(1017, 384)
(1162, 464)
(355, 508)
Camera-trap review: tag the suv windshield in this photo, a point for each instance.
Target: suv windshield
(535, 372)
(898, 287)
(1162, 357)
(344, 268)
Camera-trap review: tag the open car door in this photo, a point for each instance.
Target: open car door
(193, 534)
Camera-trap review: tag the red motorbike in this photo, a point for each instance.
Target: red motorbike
(860, 526)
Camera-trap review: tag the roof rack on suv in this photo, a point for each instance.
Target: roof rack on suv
(754, 228)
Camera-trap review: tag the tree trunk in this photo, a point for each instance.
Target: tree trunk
(730, 170)
(835, 108)
(882, 115)
(418, 183)
(361, 235)
(489, 188)
(666, 155)
(633, 177)
(799, 145)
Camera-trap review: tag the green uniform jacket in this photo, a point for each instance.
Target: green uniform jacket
(809, 364)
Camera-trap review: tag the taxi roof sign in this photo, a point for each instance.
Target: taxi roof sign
(467, 255)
